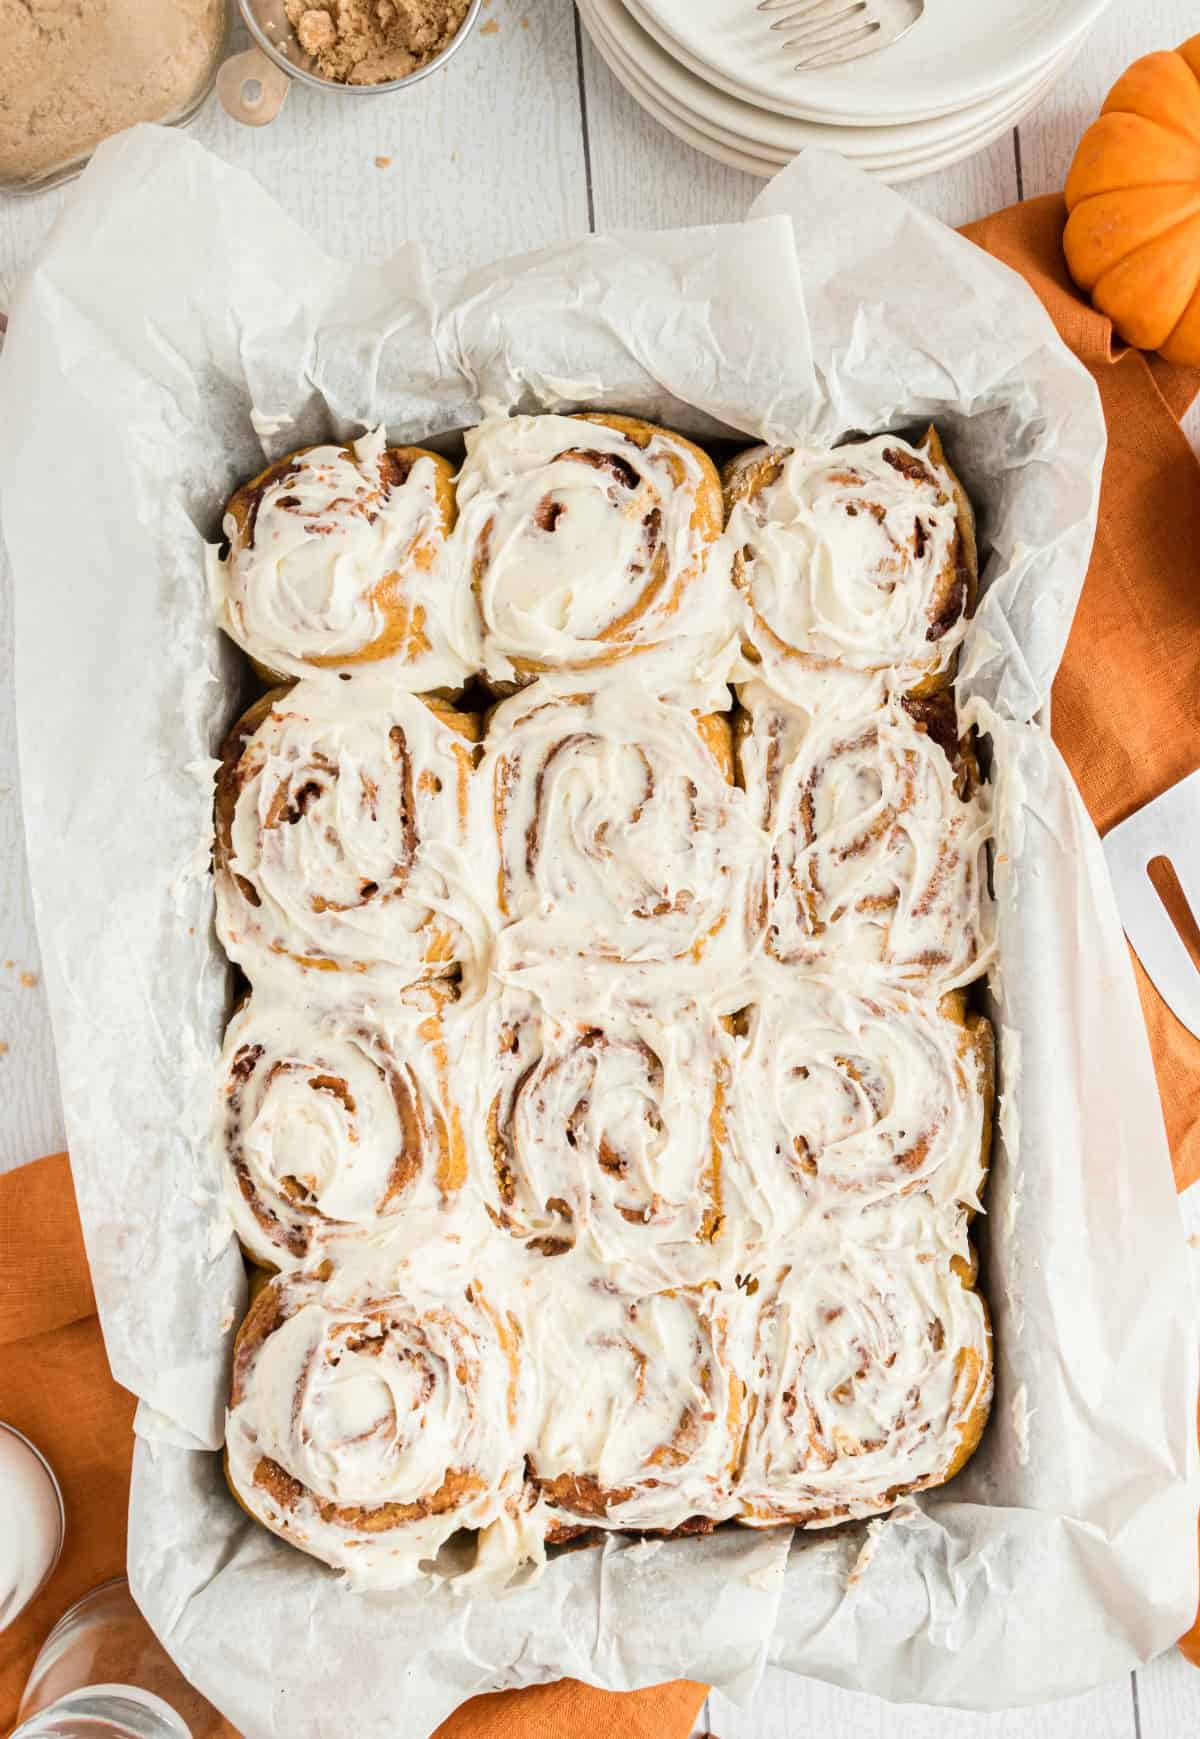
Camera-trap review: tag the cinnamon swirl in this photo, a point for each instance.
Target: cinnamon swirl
(877, 831)
(646, 1409)
(857, 566)
(334, 1121)
(344, 836)
(334, 562)
(621, 837)
(583, 536)
(872, 1371)
(608, 1131)
(861, 1096)
(367, 1425)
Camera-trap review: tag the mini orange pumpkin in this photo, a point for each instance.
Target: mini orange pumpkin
(1133, 236)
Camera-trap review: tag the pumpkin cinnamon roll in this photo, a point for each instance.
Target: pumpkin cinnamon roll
(621, 836)
(872, 1372)
(861, 1096)
(584, 536)
(609, 1131)
(368, 1425)
(334, 562)
(335, 1121)
(857, 566)
(877, 839)
(645, 1408)
(344, 836)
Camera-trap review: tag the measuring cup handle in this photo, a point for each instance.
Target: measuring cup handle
(252, 88)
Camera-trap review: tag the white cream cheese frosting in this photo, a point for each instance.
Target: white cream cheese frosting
(348, 842)
(876, 863)
(582, 545)
(648, 1410)
(340, 558)
(620, 835)
(334, 1121)
(847, 1097)
(607, 1134)
(370, 1423)
(871, 1363)
(850, 567)
(652, 1212)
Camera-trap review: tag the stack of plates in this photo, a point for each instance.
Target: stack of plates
(716, 74)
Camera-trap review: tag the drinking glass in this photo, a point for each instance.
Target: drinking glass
(103, 1674)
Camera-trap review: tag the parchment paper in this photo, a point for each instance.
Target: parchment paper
(174, 299)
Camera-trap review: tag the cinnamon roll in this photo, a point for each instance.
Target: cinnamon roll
(877, 836)
(620, 834)
(334, 563)
(368, 1425)
(857, 565)
(608, 1131)
(862, 1096)
(344, 836)
(645, 1409)
(583, 536)
(334, 1121)
(872, 1372)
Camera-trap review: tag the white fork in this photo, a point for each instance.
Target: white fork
(824, 32)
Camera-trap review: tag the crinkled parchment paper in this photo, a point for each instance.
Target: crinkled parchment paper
(173, 301)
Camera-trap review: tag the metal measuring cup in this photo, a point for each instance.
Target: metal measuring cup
(253, 85)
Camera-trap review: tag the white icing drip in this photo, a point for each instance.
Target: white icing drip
(842, 1097)
(350, 827)
(871, 1359)
(620, 837)
(574, 559)
(848, 563)
(337, 559)
(875, 860)
(333, 1121)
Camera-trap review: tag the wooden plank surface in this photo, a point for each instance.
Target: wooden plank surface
(489, 160)
(786, 1707)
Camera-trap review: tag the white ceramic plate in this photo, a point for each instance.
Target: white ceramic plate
(645, 98)
(696, 131)
(960, 52)
(779, 137)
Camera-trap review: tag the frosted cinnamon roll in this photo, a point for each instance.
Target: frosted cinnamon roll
(872, 1376)
(368, 1426)
(877, 835)
(621, 836)
(863, 1096)
(645, 1408)
(608, 1131)
(583, 536)
(344, 836)
(857, 565)
(334, 563)
(332, 1122)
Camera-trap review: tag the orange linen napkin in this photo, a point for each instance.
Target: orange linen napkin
(55, 1386)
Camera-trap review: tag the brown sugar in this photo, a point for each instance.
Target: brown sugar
(74, 71)
(369, 42)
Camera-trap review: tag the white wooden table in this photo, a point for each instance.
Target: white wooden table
(525, 140)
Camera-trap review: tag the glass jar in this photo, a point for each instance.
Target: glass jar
(32, 1522)
(72, 72)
